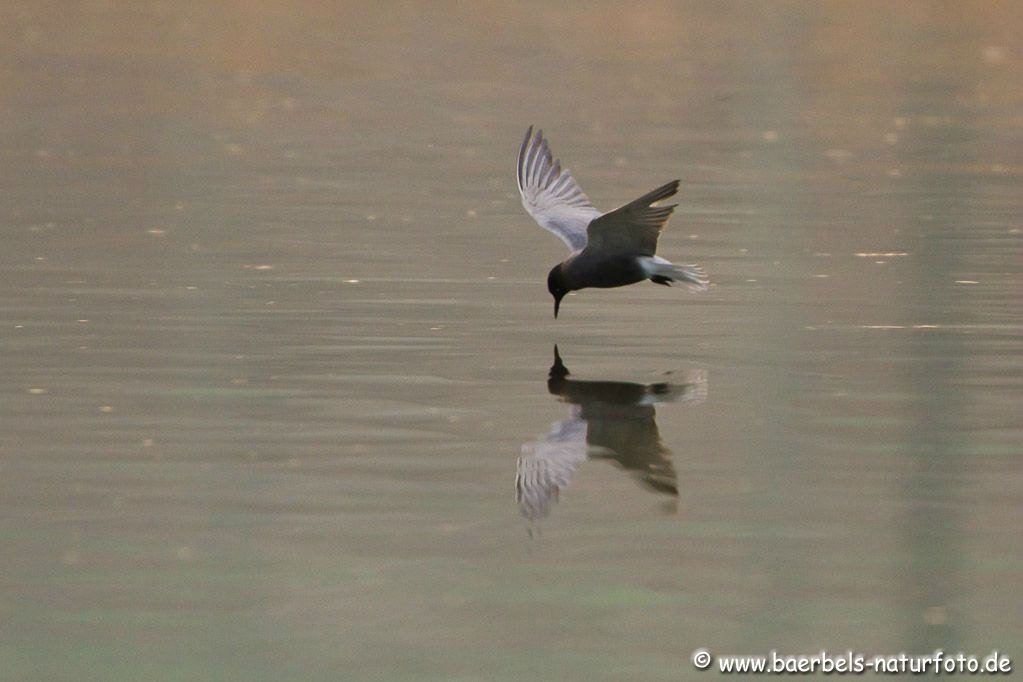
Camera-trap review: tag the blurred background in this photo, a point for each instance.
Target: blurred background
(275, 339)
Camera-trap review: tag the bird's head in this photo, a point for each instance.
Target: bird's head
(557, 286)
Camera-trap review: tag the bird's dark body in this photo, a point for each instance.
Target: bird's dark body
(603, 272)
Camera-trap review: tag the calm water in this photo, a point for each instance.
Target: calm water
(276, 343)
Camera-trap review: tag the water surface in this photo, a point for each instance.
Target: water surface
(276, 342)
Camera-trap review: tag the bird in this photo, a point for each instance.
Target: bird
(610, 249)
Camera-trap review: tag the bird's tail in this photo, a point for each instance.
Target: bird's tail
(693, 276)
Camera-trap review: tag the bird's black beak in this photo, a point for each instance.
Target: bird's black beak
(557, 304)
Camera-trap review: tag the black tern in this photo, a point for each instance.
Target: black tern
(608, 249)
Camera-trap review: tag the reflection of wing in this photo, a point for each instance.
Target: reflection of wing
(626, 430)
(546, 466)
(629, 437)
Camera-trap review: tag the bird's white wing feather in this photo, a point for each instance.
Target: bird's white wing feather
(550, 194)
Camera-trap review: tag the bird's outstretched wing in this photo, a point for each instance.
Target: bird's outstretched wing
(550, 194)
(634, 228)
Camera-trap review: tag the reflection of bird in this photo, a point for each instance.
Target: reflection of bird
(608, 250)
(612, 420)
